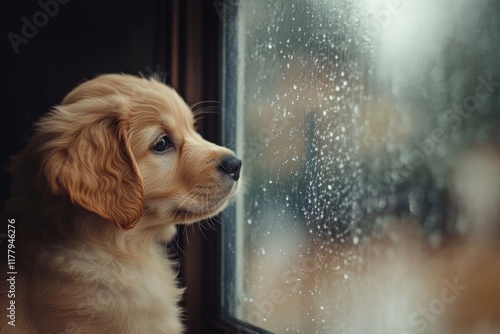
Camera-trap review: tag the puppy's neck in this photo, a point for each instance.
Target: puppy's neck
(144, 234)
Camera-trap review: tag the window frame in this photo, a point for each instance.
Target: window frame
(196, 72)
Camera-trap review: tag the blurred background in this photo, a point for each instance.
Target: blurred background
(356, 120)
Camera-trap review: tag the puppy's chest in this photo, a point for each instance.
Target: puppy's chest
(150, 281)
(98, 290)
(144, 283)
(143, 287)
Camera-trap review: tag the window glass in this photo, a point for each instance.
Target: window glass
(354, 119)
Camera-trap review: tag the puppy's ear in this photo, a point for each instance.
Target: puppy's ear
(92, 163)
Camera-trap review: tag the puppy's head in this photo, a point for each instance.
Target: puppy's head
(125, 147)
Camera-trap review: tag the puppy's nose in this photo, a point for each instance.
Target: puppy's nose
(231, 166)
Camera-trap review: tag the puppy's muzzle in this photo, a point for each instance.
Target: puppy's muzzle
(230, 166)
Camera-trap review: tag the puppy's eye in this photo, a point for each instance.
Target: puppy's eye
(162, 144)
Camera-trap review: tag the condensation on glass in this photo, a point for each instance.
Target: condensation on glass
(355, 119)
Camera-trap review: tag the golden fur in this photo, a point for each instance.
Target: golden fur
(92, 202)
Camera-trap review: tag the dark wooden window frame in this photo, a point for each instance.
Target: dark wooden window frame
(196, 59)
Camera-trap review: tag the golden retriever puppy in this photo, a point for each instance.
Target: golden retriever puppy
(102, 183)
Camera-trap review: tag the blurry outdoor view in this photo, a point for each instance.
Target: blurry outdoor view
(356, 119)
